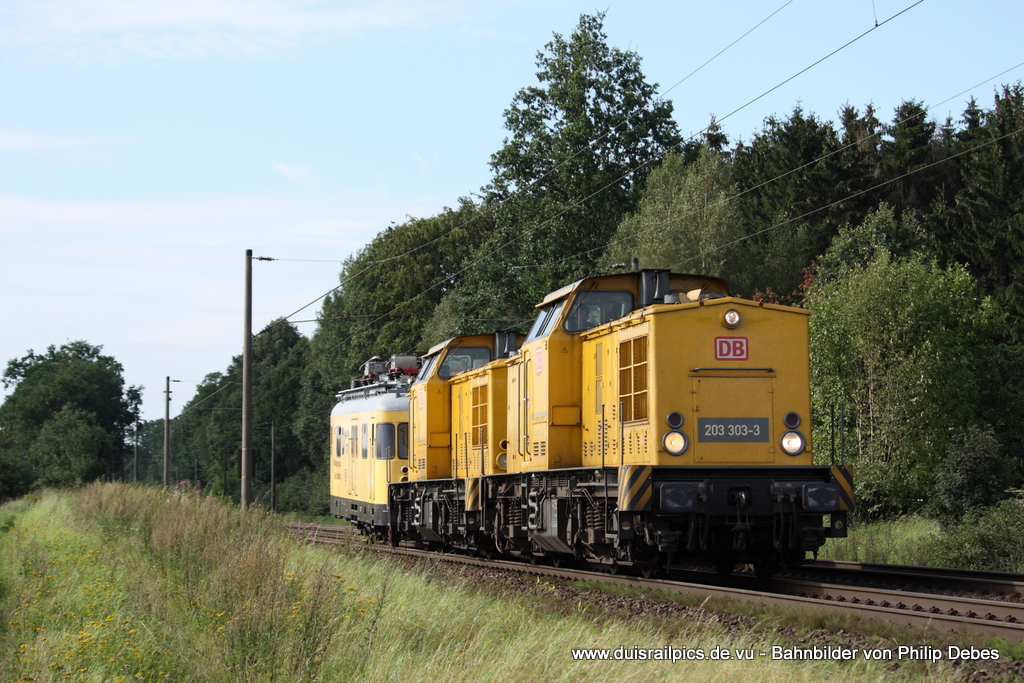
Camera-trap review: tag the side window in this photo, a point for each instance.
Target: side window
(364, 442)
(597, 307)
(538, 323)
(339, 444)
(546, 320)
(403, 440)
(427, 366)
(462, 359)
(385, 441)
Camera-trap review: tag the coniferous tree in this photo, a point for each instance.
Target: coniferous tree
(988, 217)
(787, 175)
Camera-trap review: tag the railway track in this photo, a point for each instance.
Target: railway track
(982, 603)
(999, 585)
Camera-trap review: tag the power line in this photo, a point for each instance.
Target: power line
(665, 151)
(529, 231)
(775, 178)
(850, 196)
(577, 203)
(830, 54)
(546, 174)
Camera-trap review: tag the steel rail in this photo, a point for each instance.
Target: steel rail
(1001, 619)
(973, 580)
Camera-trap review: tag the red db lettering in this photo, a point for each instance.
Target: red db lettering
(731, 348)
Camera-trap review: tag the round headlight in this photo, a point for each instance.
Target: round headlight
(792, 420)
(731, 318)
(793, 442)
(674, 419)
(502, 461)
(675, 442)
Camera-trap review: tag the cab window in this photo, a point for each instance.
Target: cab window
(462, 359)
(597, 307)
(427, 366)
(545, 320)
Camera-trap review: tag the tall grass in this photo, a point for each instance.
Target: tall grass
(989, 538)
(119, 583)
(901, 541)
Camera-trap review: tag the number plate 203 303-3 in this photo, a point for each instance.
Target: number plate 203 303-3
(732, 429)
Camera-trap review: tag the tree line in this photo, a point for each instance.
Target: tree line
(900, 233)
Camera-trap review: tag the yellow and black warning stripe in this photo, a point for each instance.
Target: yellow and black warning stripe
(843, 475)
(635, 488)
(473, 494)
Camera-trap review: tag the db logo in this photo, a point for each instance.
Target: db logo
(730, 348)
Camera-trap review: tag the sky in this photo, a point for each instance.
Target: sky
(146, 144)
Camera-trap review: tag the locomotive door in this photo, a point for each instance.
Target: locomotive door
(517, 411)
(353, 448)
(371, 465)
(733, 419)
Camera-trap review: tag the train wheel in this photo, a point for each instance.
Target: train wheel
(724, 565)
(560, 561)
(649, 571)
(765, 567)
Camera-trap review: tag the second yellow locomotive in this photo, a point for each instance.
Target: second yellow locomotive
(646, 418)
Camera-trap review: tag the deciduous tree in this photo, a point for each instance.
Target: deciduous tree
(909, 347)
(74, 377)
(580, 147)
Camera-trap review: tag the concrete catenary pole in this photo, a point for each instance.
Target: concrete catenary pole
(247, 468)
(273, 470)
(167, 432)
(135, 475)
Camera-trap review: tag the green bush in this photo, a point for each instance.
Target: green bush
(15, 477)
(304, 492)
(973, 474)
(988, 538)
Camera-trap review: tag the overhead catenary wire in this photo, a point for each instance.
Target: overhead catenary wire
(776, 178)
(526, 232)
(852, 196)
(544, 175)
(478, 211)
(578, 202)
(665, 151)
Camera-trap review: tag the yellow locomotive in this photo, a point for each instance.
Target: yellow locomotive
(646, 418)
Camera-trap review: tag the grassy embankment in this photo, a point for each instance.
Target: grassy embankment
(118, 583)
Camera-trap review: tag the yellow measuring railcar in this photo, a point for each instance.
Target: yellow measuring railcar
(370, 441)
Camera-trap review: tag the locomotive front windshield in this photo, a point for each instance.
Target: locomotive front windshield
(464, 358)
(597, 307)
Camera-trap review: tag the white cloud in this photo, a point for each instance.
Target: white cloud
(159, 283)
(112, 30)
(296, 173)
(20, 140)
(424, 166)
(223, 212)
